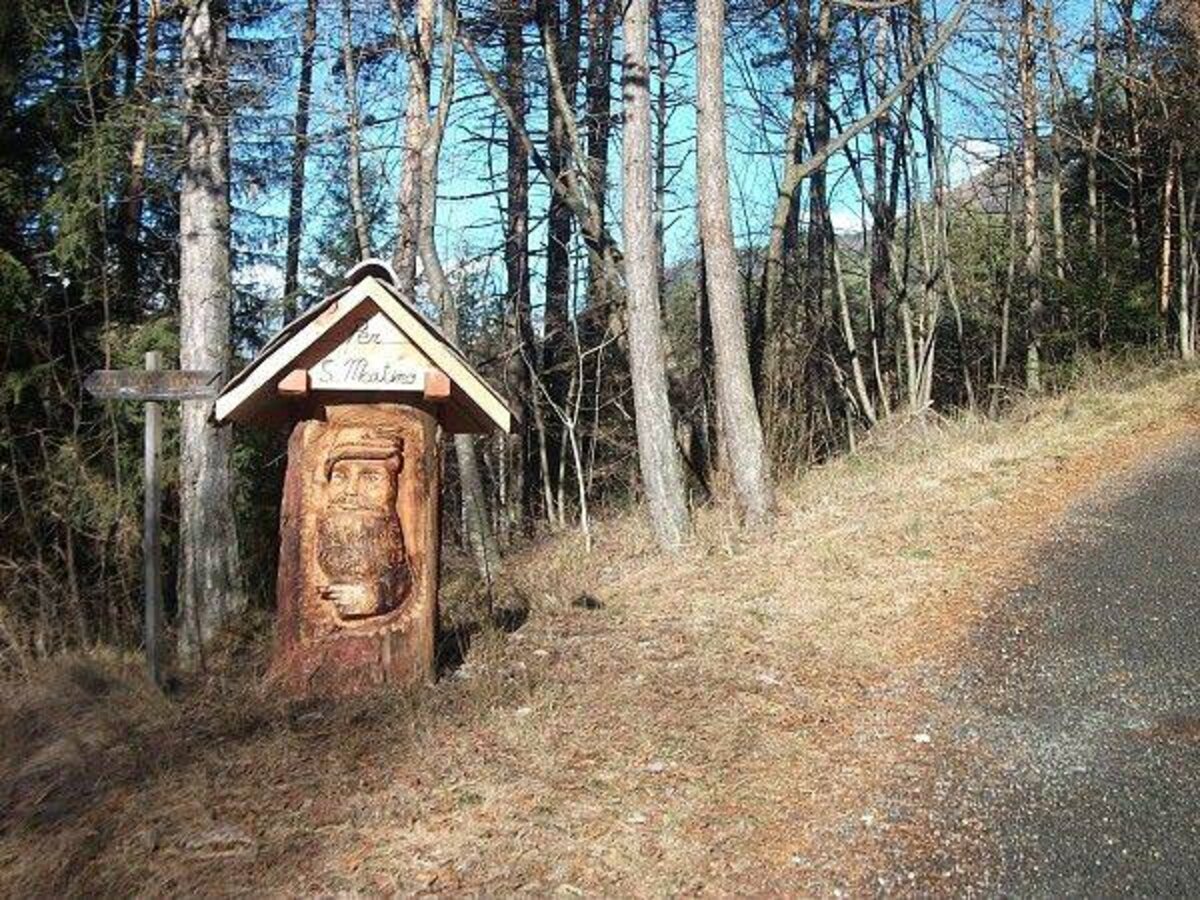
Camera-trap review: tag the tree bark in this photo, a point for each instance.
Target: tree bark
(479, 529)
(518, 306)
(291, 275)
(662, 476)
(1137, 227)
(210, 581)
(743, 439)
(1026, 73)
(135, 193)
(600, 22)
(408, 193)
(362, 231)
(1057, 93)
(1093, 149)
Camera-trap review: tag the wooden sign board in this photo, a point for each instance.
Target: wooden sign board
(376, 357)
(159, 385)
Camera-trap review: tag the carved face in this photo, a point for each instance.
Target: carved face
(362, 485)
(360, 542)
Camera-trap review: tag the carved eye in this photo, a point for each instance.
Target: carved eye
(370, 475)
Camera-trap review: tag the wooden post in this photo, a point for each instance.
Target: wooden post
(152, 530)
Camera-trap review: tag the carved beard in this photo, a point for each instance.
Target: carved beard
(360, 547)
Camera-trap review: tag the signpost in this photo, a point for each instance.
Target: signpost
(153, 386)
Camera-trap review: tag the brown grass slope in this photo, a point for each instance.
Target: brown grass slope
(731, 719)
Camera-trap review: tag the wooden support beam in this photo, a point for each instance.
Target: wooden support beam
(437, 386)
(294, 384)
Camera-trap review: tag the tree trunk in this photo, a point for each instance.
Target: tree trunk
(1134, 128)
(135, 192)
(742, 437)
(556, 365)
(1164, 267)
(600, 23)
(210, 580)
(1187, 349)
(1026, 62)
(1093, 149)
(661, 474)
(408, 194)
(516, 263)
(358, 212)
(1057, 93)
(291, 275)
(475, 511)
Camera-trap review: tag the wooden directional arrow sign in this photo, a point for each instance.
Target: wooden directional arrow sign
(158, 385)
(153, 385)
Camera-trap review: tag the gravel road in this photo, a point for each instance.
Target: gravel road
(1067, 761)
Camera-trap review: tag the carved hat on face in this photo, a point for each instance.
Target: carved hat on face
(366, 444)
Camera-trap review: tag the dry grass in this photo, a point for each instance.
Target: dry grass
(726, 720)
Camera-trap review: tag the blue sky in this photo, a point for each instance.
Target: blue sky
(469, 219)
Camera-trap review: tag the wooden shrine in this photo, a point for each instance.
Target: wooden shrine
(366, 383)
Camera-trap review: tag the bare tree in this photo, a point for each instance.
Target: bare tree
(362, 231)
(518, 305)
(1027, 78)
(662, 476)
(210, 580)
(1093, 148)
(295, 221)
(423, 146)
(741, 429)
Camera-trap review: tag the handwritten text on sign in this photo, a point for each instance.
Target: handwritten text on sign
(376, 357)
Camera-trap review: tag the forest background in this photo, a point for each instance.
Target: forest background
(931, 209)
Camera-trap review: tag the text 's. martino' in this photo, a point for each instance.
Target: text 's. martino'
(366, 384)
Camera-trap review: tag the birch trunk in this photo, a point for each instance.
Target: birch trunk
(743, 439)
(662, 476)
(210, 581)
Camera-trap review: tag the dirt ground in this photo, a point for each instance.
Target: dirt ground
(738, 718)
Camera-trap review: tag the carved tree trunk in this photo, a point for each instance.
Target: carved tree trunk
(661, 474)
(358, 566)
(743, 440)
(210, 582)
(295, 221)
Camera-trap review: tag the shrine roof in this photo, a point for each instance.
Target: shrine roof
(415, 356)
